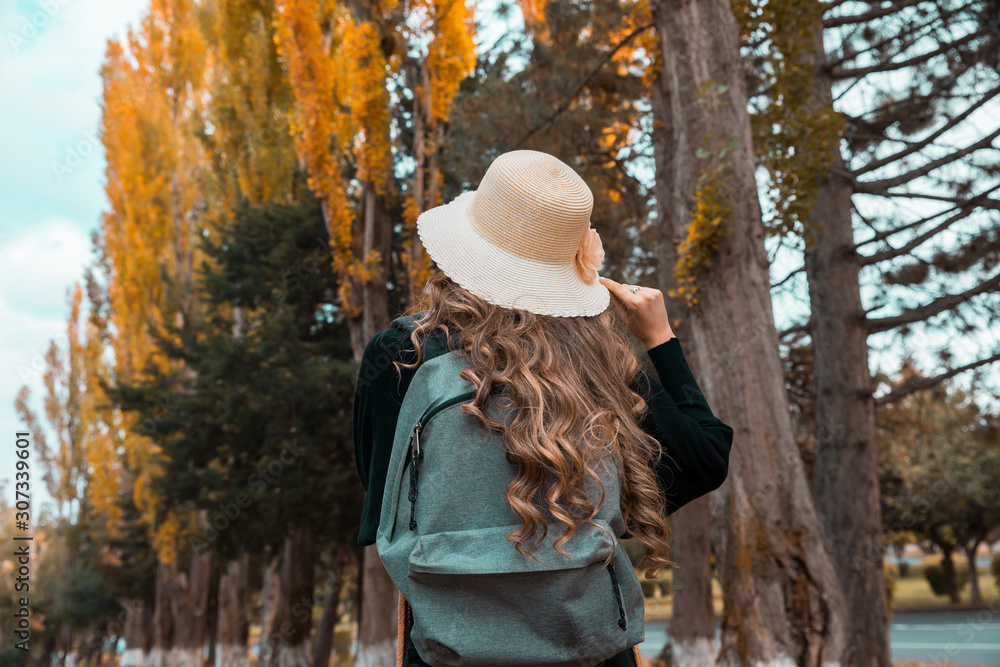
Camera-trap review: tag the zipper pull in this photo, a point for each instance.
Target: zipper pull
(416, 456)
(618, 598)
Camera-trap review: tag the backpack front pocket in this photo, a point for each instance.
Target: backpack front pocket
(478, 601)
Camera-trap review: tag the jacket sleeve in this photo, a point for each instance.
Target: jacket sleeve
(696, 443)
(378, 396)
(363, 411)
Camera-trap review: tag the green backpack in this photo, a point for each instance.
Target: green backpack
(442, 537)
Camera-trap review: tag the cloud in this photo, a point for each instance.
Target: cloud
(50, 57)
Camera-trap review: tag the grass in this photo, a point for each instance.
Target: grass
(912, 592)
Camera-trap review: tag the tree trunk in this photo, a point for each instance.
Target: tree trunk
(212, 618)
(134, 631)
(974, 593)
(416, 247)
(288, 642)
(270, 589)
(845, 470)
(375, 317)
(163, 620)
(45, 655)
(69, 653)
(378, 613)
(328, 623)
(189, 606)
(692, 632)
(948, 567)
(783, 603)
(233, 625)
(370, 298)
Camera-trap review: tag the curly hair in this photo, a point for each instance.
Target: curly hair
(572, 376)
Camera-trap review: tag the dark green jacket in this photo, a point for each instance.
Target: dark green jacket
(696, 443)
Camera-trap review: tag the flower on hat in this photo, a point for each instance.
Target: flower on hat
(590, 255)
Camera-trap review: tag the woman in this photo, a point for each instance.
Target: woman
(518, 292)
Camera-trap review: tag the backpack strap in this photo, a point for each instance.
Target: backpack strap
(403, 624)
(435, 340)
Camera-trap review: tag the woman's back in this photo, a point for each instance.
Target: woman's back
(519, 296)
(698, 443)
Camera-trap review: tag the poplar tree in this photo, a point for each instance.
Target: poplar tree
(153, 91)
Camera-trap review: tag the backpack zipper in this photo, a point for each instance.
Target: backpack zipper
(416, 454)
(618, 596)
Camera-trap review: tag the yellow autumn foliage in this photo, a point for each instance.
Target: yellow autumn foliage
(706, 227)
(369, 102)
(155, 163)
(451, 54)
(313, 77)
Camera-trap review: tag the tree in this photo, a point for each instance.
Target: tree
(258, 435)
(151, 100)
(939, 469)
(909, 79)
(782, 598)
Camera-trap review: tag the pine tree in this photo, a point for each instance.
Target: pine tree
(258, 435)
(866, 190)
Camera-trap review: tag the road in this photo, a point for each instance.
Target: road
(965, 638)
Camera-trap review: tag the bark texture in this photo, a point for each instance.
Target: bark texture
(163, 620)
(137, 617)
(377, 600)
(379, 595)
(233, 626)
(288, 642)
(783, 602)
(270, 588)
(692, 631)
(845, 469)
(189, 604)
(328, 623)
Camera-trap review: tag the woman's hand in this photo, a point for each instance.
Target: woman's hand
(643, 312)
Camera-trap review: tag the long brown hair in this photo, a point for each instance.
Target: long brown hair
(572, 375)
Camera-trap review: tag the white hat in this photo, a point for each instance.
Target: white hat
(523, 239)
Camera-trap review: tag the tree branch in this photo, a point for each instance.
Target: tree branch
(583, 82)
(926, 141)
(927, 383)
(841, 73)
(785, 279)
(880, 187)
(795, 329)
(941, 304)
(990, 204)
(880, 46)
(961, 213)
(886, 233)
(877, 13)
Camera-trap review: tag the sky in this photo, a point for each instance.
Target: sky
(52, 174)
(51, 180)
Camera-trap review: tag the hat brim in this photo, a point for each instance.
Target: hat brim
(500, 277)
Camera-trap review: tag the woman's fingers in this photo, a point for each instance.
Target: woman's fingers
(621, 298)
(644, 312)
(629, 299)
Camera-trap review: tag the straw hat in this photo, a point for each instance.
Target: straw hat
(523, 239)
